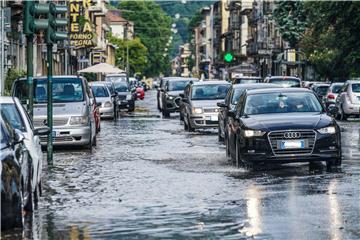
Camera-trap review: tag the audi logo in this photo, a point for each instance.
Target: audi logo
(292, 135)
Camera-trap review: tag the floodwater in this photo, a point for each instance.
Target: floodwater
(148, 179)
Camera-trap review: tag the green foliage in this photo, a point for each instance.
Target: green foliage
(290, 17)
(138, 53)
(332, 40)
(11, 76)
(152, 26)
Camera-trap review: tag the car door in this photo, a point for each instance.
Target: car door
(224, 110)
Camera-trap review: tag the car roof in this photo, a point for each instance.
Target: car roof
(321, 84)
(98, 83)
(275, 90)
(6, 99)
(250, 85)
(283, 77)
(353, 81)
(211, 82)
(247, 77)
(54, 77)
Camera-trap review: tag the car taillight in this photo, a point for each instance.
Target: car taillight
(331, 96)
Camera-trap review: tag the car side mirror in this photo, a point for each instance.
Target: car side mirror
(221, 104)
(232, 113)
(18, 136)
(333, 109)
(41, 131)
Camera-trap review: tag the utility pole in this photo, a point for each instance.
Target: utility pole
(127, 52)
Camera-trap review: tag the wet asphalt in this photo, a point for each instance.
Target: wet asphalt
(149, 179)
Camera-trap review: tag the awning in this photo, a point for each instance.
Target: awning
(101, 68)
(244, 68)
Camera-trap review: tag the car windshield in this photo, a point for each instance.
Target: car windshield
(100, 91)
(292, 102)
(12, 115)
(336, 88)
(356, 87)
(115, 78)
(246, 80)
(209, 92)
(285, 82)
(64, 90)
(121, 87)
(236, 95)
(177, 85)
(322, 90)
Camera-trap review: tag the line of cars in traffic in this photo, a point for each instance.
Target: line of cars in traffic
(78, 107)
(268, 121)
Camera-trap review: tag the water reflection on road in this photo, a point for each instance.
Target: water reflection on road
(147, 178)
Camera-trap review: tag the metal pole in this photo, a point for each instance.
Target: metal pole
(30, 72)
(66, 59)
(49, 105)
(2, 60)
(127, 53)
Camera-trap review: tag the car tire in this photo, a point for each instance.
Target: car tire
(220, 138)
(238, 160)
(132, 107)
(343, 115)
(165, 114)
(190, 129)
(227, 146)
(94, 142)
(29, 205)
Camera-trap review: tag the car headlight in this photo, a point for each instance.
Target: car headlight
(107, 104)
(197, 110)
(253, 133)
(170, 97)
(79, 120)
(327, 130)
(128, 97)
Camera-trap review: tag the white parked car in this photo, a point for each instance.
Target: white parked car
(103, 99)
(348, 100)
(17, 116)
(332, 93)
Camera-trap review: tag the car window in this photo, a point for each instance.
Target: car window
(285, 82)
(28, 118)
(12, 115)
(246, 80)
(100, 91)
(176, 85)
(5, 138)
(64, 90)
(322, 90)
(282, 103)
(119, 78)
(336, 88)
(209, 92)
(236, 95)
(355, 87)
(121, 87)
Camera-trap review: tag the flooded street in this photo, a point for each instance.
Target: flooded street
(149, 179)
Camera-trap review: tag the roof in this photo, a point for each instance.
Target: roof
(213, 82)
(283, 77)
(276, 90)
(114, 16)
(6, 99)
(255, 85)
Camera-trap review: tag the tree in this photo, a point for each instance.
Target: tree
(137, 54)
(332, 40)
(291, 19)
(152, 26)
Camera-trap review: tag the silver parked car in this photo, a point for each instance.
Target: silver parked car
(199, 104)
(348, 101)
(17, 116)
(73, 106)
(332, 93)
(103, 99)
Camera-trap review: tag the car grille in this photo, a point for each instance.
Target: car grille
(57, 139)
(122, 97)
(308, 136)
(39, 122)
(211, 110)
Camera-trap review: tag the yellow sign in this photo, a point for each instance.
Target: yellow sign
(81, 31)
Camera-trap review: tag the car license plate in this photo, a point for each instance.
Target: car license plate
(213, 118)
(292, 144)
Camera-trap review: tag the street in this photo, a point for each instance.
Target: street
(148, 179)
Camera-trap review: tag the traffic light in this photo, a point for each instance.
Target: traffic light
(52, 35)
(228, 57)
(33, 10)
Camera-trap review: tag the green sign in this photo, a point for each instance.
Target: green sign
(228, 57)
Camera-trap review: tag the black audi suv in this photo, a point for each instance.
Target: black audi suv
(282, 125)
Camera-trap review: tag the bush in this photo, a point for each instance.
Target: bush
(11, 76)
